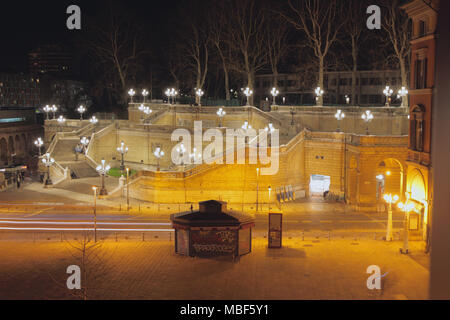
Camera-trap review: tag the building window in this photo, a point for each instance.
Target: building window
(422, 28)
(417, 128)
(421, 73)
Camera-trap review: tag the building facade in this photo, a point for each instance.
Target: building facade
(50, 59)
(19, 90)
(338, 86)
(422, 83)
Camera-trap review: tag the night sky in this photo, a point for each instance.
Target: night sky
(26, 24)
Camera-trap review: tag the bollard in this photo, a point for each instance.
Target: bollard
(143, 237)
(303, 235)
(139, 208)
(116, 236)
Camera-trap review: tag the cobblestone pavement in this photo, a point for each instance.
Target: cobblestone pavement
(310, 269)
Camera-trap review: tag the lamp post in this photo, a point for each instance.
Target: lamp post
(406, 208)
(122, 150)
(168, 94)
(257, 188)
(292, 112)
(85, 142)
(388, 93)
(199, 94)
(61, 120)
(269, 129)
(141, 109)
(221, 113)
(128, 189)
(81, 110)
(246, 126)
(181, 150)
(403, 92)
(144, 94)
(54, 109)
(248, 93)
(390, 200)
(47, 109)
(274, 92)
(147, 112)
(39, 143)
(173, 94)
(158, 154)
(48, 162)
(103, 169)
(131, 93)
(339, 117)
(319, 93)
(94, 121)
(270, 190)
(367, 117)
(94, 188)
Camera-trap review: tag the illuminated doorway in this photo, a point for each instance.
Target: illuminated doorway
(319, 185)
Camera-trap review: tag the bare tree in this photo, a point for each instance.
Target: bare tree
(277, 42)
(217, 24)
(397, 26)
(321, 21)
(247, 38)
(354, 26)
(118, 46)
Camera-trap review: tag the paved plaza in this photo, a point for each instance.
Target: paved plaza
(316, 269)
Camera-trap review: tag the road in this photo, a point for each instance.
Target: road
(57, 217)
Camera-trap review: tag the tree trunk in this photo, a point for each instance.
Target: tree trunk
(404, 76)
(355, 69)
(320, 83)
(227, 84)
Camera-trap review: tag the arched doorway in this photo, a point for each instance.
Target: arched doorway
(389, 180)
(417, 194)
(3, 151)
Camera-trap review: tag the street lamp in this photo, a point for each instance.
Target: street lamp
(347, 99)
(39, 143)
(221, 113)
(403, 92)
(131, 93)
(319, 93)
(274, 94)
(85, 142)
(122, 150)
(270, 190)
(94, 188)
(194, 156)
(61, 121)
(248, 93)
(406, 208)
(103, 169)
(144, 94)
(367, 117)
(388, 93)
(147, 112)
(47, 109)
(81, 110)
(390, 199)
(168, 94)
(246, 126)
(199, 93)
(181, 150)
(339, 117)
(48, 162)
(54, 109)
(94, 121)
(158, 154)
(269, 129)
